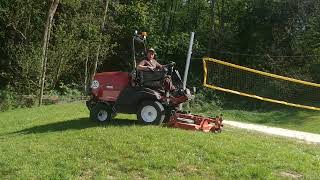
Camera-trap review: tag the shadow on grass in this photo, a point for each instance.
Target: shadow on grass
(75, 124)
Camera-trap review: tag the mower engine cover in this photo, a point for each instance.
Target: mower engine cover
(107, 86)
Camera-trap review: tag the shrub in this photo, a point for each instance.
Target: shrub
(203, 104)
(70, 92)
(8, 99)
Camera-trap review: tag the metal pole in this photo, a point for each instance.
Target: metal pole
(134, 55)
(186, 70)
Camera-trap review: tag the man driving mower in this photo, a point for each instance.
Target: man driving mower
(147, 92)
(150, 63)
(155, 71)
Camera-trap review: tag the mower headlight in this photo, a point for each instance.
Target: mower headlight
(95, 84)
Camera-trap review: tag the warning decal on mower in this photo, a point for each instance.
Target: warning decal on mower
(95, 84)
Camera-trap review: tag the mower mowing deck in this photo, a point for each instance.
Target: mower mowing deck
(196, 122)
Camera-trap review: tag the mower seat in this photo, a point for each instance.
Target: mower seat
(151, 79)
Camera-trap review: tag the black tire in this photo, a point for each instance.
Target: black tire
(151, 112)
(101, 113)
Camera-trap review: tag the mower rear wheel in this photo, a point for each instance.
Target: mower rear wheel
(101, 113)
(151, 112)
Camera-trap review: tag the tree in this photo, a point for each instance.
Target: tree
(212, 30)
(99, 45)
(46, 38)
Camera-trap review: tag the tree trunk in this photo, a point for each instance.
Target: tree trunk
(46, 38)
(221, 33)
(86, 72)
(211, 34)
(171, 16)
(28, 23)
(99, 46)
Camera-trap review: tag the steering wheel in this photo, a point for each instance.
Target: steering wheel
(170, 64)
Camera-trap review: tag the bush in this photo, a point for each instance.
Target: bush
(27, 100)
(70, 92)
(203, 104)
(8, 99)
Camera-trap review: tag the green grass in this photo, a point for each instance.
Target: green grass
(59, 142)
(290, 118)
(302, 120)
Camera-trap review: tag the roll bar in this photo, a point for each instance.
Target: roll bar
(141, 38)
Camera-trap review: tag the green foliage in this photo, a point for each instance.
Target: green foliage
(200, 104)
(75, 36)
(70, 91)
(7, 99)
(258, 34)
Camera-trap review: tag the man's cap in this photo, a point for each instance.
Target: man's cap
(151, 49)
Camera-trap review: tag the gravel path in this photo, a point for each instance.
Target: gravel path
(308, 137)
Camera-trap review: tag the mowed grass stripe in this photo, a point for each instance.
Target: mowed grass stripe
(59, 142)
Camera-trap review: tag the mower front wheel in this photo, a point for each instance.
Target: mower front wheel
(151, 112)
(101, 113)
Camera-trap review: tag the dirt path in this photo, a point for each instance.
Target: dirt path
(308, 137)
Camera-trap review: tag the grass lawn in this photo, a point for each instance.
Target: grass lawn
(290, 118)
(302, 120)
(59, 142)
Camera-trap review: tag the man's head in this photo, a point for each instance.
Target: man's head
(151, 53)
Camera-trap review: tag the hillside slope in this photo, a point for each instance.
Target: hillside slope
(59, 141)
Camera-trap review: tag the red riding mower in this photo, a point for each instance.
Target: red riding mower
(146, 94)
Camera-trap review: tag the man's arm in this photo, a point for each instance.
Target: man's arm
(158, 65)
(142, 66)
